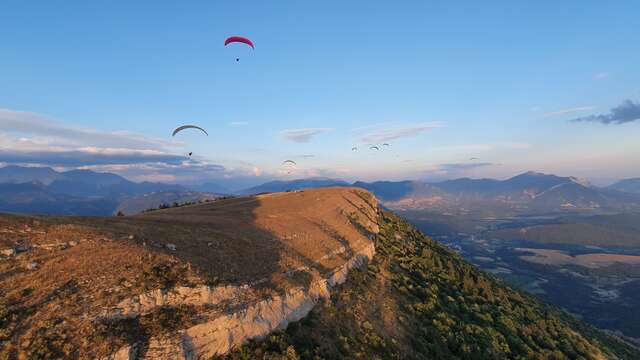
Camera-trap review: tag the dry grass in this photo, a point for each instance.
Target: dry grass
(87, 264)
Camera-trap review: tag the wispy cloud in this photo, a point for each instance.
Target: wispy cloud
(626, 112)
(21, 122)
(568, 111)
(464, 166)
(398, 132)
(239, 123)
(302, 135)
(87, 156)
(601, 75)
(471, 148)
(185, 171)
(31, 138)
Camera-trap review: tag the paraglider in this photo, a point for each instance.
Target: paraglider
(385, 144)
(354, 149)
(183, 127)
(238, 39)
(473, 158)
(374, 147)
(289, 162)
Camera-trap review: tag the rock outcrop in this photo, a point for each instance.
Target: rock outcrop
(220, 334)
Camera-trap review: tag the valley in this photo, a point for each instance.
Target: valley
(597, 283)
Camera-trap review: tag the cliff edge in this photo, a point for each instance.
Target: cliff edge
(179, 283)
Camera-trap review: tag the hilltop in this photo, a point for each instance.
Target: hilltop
(89, 287)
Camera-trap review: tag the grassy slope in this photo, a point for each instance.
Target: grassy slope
(418, 300)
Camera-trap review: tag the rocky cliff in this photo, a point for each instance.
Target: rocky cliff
(181, 283)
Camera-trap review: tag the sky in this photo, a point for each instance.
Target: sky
(546, 86)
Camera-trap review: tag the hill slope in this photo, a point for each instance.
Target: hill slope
(197, 281)
(418, 300)
(89, 287)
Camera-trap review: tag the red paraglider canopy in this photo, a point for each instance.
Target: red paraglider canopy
(240, 39)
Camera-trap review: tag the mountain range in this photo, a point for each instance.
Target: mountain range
(43, 190)
(627, 185)
(527, 193)
(85, 192)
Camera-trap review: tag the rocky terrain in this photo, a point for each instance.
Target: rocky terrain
(184, 282)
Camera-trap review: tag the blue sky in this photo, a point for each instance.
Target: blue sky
(440, 81)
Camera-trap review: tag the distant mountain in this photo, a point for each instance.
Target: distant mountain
(530, 192)
(210, 187)
(81, 183)
(86, 183)
(139, 203)
(77, 192)
(299, 184)
(627, 185)
(17, 174)
(34, 198)
(521, 187)
(408, 194)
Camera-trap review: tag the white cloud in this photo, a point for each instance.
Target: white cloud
(398, 132)
(302, 135)
(569, 111)
(21, 122)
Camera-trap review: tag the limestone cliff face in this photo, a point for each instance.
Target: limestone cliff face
(222, 333)
(232, 314)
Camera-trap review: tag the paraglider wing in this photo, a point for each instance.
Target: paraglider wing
(177, 130)
(374, 147)
(385, 144)
(289, 162)
(354, 148)
(240, 39)
(474, 158)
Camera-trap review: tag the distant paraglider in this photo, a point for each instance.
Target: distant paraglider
(374, 147)
(289, 166)
(238, 39)
(183, 127)
(354, 149)
(473, 158)
(385, 144)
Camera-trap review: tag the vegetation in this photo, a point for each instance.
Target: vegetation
(418, 300)
(619, 230)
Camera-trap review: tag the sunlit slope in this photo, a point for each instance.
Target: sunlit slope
(89, 287)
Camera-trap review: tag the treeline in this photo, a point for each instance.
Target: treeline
(186, 203)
